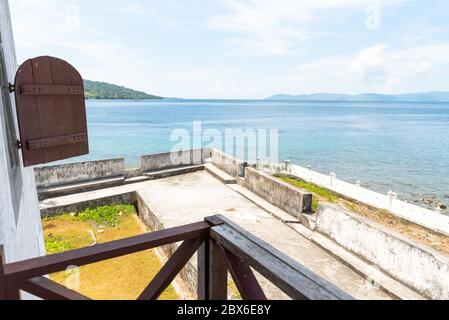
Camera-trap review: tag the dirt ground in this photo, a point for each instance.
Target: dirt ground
(122, 278)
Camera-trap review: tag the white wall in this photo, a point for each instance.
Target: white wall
(422, 216)
(20, 226)
(415, 265)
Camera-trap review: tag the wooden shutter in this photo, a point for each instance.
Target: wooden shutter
(51, 111)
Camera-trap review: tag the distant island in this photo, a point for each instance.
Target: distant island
(103, 90)
(369, 97)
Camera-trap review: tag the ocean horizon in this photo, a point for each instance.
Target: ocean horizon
(397, 146)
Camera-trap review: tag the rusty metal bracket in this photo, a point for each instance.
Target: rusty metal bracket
(11, 87)
(42, 89)
(56, 141)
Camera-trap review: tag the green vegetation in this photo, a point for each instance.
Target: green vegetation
(122, 278)
(109, 216)
(323, 194)
(55, 244)
(103, 90)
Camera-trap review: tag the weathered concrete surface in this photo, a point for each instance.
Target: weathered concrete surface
(159, 174)
(59, 191)
(417, 266)
(170, 160)
(189, 198)
(293, 200)
(227, 163)
(64, 174)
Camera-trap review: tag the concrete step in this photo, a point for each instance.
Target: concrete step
(160, 174)
(58, 191)
(220, 174)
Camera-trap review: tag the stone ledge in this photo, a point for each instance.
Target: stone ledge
(220, 174)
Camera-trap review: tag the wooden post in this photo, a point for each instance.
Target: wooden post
(2, 275)
(212, 269)
(6, 293)
(203, 271)
(218, 273)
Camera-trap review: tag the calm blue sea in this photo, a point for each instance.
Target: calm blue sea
(387, 146)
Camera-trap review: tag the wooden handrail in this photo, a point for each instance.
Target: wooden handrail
(223, 247)
(294, 279)
(19, 271)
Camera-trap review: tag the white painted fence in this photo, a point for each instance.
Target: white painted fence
(419, 215)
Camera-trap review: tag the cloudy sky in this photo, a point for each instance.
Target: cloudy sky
(243, 48)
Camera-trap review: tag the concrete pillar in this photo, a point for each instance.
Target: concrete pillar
(392, 196)
(287, 165)
(332, 176)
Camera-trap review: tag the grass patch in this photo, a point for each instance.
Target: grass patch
(54, 244)
(106, 215)
(323, 194)
(122, 278)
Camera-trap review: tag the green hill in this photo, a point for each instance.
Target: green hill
(103, 90)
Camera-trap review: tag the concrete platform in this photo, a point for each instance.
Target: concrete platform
(184, 199)
(187, 198)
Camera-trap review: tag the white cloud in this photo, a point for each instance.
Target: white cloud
(266, 27)
(369, 63)
(374, 69)
(51, 27)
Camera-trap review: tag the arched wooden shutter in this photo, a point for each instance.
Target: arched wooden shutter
(51, 111)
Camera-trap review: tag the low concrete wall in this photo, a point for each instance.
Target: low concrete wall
(422, 216)
(227, 163)
(415, 265)
(78, 172)
(161, 161)
(293, 200)
(189, 274)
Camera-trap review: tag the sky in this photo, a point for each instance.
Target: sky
(243, 49)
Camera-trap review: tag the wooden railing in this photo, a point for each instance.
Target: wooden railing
(222, 247)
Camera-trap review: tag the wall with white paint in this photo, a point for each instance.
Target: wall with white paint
(422, 216)
(415, 265)
(20, 224)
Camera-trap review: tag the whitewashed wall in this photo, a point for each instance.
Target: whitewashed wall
(20, 226)
(422, 216)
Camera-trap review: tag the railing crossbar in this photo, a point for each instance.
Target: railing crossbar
(171, 269)
(19, 271)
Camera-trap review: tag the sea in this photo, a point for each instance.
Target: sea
(403, 147)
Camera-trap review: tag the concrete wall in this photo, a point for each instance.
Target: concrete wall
(189, 274)
(161, 161)
(78, 172)
(413, 264)
(20, 225)
(227, 163)
(419, 215)
(293, 200)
